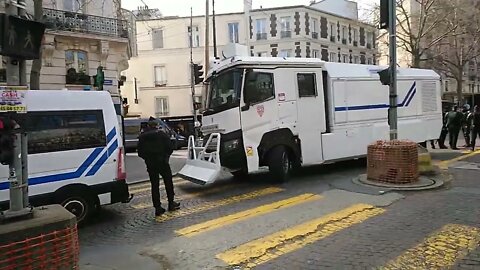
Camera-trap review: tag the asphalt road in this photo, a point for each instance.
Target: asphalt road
(137, 172)
(320, 219)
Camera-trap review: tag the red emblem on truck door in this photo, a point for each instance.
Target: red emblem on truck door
(260, 110)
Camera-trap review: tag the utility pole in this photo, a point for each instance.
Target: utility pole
(207, 36)
(392, 113)
(18, 168)
(214, 31)
(192, 76)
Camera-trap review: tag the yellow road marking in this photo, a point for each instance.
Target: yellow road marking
(440, 250)
(210, 205)
(139, 188)
(444, 164)
(250, 213)
(270, 247)
(187, 196)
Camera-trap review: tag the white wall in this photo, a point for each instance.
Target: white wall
(343, 8)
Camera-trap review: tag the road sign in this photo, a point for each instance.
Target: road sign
(20, 38)
(108, 82)
(12, 99)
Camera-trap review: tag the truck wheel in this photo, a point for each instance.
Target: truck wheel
(78, 202)
(279, 163)
(240, 175)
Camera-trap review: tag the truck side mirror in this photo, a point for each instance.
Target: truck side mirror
(246, 107)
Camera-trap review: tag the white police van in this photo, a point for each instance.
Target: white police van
(76, 155)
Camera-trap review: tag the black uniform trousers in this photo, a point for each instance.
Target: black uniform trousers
(453, 132)
(443, 137)
(466, 134)
(156, 167)
(475, 133)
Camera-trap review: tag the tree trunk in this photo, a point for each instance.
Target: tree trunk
(460, 91)
(37, 63)
(415, 59)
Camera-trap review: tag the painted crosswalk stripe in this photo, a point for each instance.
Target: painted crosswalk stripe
(440, 250)
(272, 246)
(446, 163)
(214, 204)
(186, 196)
(139, 188)
(243, 215)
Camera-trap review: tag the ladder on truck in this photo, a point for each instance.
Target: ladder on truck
(203, 162)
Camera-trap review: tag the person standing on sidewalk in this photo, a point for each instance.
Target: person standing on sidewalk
(454, 124)
(466, 125)
(444, 131)
(155, 147)
(475, 116)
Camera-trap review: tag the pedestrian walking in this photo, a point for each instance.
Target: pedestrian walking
(454, 124)
(155, 148)
(475, 118)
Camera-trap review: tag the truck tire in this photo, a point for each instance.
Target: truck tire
(240, 175)
(280, 163)
(77, 201)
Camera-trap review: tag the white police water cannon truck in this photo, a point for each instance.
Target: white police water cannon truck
(283, 113)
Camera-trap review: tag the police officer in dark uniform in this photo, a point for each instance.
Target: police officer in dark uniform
(475, 119)
(466, 125)
(454, 124)
(155, 147)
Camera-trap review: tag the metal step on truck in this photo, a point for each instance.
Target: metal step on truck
(284, 113)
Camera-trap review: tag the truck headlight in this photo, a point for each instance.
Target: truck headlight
(231, 145)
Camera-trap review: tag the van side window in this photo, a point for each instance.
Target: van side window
(258, 87)
(307, 86)
(65, 130)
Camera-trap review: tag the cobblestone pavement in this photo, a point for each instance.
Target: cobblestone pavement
(318, 220)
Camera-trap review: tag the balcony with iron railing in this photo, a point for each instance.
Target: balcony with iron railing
(286, 34)
(83, 23)
(261, 36)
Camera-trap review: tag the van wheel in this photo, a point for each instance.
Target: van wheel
(279, 163)
(79, 203)
(240, 175)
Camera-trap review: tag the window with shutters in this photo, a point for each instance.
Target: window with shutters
(157, 38)
(73, 5)
(160, 76)
(161, 107)
(285, 53)
(233, 32)
(333, 57)
(195, 37)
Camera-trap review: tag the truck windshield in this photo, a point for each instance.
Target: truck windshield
(225, 91)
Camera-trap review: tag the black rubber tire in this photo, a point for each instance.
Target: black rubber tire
(240, 175)
(78, 202)
(280, 163)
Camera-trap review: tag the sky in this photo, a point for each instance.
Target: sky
(182, 7)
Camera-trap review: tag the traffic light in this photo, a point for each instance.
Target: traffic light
(99, 78)
(384, 14)
(385, 77)
(197, 105)
(6, 141)
(198, 73)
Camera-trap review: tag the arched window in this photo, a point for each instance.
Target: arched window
(76, 63)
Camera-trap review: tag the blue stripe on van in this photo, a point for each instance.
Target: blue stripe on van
(80, 170)
(111, 135)
(405, 103)
(103, 159)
